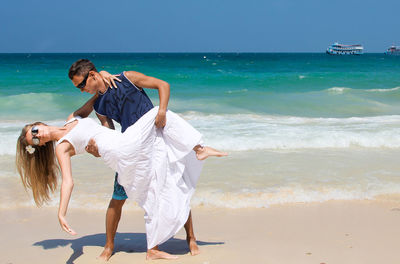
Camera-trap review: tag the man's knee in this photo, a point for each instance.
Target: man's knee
(116, 204)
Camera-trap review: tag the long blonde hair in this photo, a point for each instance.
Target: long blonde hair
(38, 170)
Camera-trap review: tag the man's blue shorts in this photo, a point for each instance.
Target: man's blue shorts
(119, 192)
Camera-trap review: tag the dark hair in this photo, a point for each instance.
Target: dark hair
(81, 68)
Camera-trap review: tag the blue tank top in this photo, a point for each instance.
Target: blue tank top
(124, 104)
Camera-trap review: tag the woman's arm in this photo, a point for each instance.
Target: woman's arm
(109, 79)
(64, 151)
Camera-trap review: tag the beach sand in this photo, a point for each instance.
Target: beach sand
(340, 231)
(329, 232)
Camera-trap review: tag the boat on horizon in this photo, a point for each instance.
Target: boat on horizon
(393, 50)
(340, 49)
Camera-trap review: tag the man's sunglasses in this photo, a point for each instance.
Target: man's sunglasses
(83, 82)
(35, 131)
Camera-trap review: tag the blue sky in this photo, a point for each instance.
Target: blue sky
(196, 26)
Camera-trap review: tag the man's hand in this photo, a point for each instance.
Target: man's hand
(109, 79)
(92, 148)
(161, 119)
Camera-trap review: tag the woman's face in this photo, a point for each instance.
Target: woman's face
(40, 132)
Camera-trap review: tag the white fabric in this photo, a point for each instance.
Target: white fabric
(157, 167)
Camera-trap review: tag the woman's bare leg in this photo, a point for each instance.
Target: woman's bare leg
(204, 152)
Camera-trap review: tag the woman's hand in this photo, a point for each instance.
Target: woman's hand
(65, 226)
(109, 79)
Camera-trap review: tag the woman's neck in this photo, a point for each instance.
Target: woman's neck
(57, 132)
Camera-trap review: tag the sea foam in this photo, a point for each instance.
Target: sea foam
(242, 132)
(257, 132)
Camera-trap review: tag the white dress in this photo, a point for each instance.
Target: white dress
(157, 167)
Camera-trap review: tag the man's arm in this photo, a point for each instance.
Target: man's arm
(84, 110)
(105, 121)
(163, 88)
(92, 146)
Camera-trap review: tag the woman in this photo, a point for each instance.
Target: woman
(157, 168)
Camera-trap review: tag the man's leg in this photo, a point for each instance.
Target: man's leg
(155, 253)
(190, 238)
(113, 216)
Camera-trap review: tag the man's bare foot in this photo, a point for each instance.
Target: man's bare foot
(155, 253)
(106, 254)
(194, 249)
(204, 152)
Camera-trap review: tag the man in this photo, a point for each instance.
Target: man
(125, 104)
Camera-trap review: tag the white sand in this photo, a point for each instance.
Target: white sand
(331, 232)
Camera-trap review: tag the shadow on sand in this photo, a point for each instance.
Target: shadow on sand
(124, 242)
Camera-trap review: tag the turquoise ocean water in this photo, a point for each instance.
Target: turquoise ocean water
(242, 103)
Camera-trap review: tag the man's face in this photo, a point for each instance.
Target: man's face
(87, 83)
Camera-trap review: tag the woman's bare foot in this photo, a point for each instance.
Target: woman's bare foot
(204, 152)
(155, 253)
(106, 254)
(194, 249)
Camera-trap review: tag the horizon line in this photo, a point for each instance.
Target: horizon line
(183, 52)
